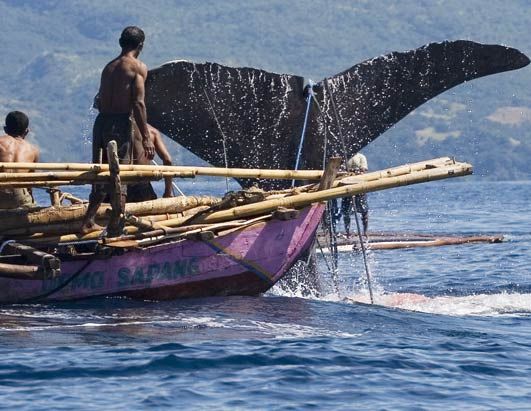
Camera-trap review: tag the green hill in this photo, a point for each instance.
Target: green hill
(54, 52)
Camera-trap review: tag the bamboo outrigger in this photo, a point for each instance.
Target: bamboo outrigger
(178, 247)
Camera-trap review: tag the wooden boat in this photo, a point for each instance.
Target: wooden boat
(240, 245)
(244, 262)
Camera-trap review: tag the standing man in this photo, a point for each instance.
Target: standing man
(14, 148)
(358, 165)
(122, 115)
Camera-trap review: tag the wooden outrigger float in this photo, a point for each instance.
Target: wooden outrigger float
(394, 241)
(241, 244)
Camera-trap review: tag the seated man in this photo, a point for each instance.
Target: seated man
(358, 165)
(14, 148)
(144, 191)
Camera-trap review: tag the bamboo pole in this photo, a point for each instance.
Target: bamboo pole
(43, 183)
(29, 180)
(22, 272)
(90, 176)
(67, 227)
(10, 219)
(374, 175)
(299, 200)
(47, 179)
(397, 171)
(168, 171)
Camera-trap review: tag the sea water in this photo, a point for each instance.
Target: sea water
(450, 328)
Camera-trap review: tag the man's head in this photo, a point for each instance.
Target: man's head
(358, 164)
(132, 38)
(16, 124)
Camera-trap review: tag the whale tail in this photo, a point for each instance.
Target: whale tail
(245, 117)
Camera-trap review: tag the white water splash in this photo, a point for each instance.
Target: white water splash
(502, 304)
(499, 304)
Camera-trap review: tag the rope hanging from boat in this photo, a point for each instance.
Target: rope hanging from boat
(309, 99)
(223, 136)
(329, 223)
(362, 243)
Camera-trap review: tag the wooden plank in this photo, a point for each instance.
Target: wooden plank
(45, 260)
(330, 173)
(24, 272)
(116, 193)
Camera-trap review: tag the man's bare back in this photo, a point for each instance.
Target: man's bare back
(121, 81)
(117, 82)
(14, 148)
(17, 150)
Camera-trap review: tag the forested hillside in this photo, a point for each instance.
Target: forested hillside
(54, 50)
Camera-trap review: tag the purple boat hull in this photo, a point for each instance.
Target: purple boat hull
(245, 262)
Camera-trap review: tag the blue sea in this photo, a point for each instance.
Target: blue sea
(450, 328)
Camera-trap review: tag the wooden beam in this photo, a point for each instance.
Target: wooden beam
(116, 193)
(330, 173)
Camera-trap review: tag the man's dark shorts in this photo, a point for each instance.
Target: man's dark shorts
(139, 192)
(360, 203)
(117, 127)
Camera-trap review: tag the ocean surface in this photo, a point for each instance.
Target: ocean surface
(450, 328)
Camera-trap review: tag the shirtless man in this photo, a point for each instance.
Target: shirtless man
(144, 191)
(14, 148)
(122, 115)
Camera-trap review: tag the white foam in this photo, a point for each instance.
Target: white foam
(506, 304)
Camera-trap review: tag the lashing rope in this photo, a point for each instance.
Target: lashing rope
(309, 99)
(223, 136)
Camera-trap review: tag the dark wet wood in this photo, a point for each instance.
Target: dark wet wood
(332, 167)
(392, 241)
(32, 255)
(116, 193)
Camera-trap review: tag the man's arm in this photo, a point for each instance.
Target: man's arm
(139, 112)
(162, 152)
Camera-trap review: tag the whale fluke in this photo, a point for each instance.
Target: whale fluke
(258, 116)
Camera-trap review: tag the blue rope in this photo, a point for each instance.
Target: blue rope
(301, 143)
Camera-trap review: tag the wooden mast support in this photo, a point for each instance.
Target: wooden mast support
(55, 197)
(117, 193)
(330, 173)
